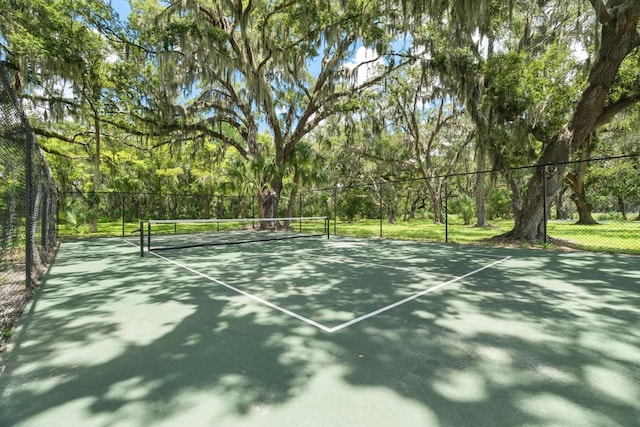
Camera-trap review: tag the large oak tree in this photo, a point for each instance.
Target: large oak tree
(277, 65)
(614, 36)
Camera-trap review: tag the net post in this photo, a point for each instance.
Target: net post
(149, 236)
(300, 212)
(141, 229)
(327, 226)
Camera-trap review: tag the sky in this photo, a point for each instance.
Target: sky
(122, 7)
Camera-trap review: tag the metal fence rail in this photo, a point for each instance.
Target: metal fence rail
(28, 205)
(441, 208)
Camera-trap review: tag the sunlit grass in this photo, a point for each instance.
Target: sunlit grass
(105, 229)
(607, 236)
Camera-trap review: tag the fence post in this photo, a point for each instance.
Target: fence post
(446, 209)
(124, 211)
(335, 211)
(544, 203)
(29, 208)
(380, 213)
(44, 218)
(300, 209)
(141, 230)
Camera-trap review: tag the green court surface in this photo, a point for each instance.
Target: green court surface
(327, 332)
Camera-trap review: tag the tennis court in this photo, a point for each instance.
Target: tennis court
(327, 332)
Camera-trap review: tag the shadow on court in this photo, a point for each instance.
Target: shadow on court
(545, 338)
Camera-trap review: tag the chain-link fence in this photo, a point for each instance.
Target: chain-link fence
(597, 206)
(28, 205)
(118, 214)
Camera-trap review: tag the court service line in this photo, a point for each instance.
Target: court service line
(253, 297)
(359, 261)
(412, 297)
(313, 322)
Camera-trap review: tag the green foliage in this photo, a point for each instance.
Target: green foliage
(506, 90)
(608, 216)
(93, 199)
(627, 83)
(181, 94)
(6, 333)
(353, 203)
(464, 206)
(73, 220)
(498, 202)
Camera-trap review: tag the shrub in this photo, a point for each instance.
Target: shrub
(464, 206)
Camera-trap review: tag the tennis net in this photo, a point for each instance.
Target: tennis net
(165, 234)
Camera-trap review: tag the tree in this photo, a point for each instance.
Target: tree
(432, 124)
(619, 37)
(59, 55)
(308, 170)
(618, 179)
(616, 37)
(246, 65)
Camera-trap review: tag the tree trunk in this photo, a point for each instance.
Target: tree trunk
(516, 201)
(266, 205)
(619, 37)
(291, 206)
(621, 208)
(481, 211)
(418, 203)
(585, 210)
(530, 222)
(93, 207)
(561, 212)
(405, 214)
(579, 196)
(268, 201)
(392, 215)
(436, 199)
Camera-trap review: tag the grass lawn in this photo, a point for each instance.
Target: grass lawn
(607, 236)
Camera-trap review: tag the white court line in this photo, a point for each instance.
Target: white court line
(412, 297)
(359, 261)
(319, 325)
(233, 288)
(323, 255)
(253, 297)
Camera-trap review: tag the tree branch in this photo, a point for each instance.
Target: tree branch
(602, 14)
(61, 137)
(612, 110)
(58, 153)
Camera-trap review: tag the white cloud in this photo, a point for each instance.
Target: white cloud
(364, 64)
